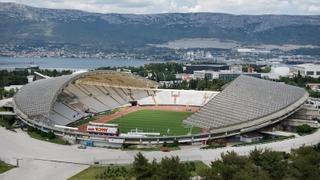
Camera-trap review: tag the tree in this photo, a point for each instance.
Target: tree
(233, 166)
(141, 168)
(172, 168)
(305, 164)
(272, 162)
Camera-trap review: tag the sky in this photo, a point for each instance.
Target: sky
(292, 7)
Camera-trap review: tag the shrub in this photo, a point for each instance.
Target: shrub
(304, 129)
(43, 134)
(165, 144)
(51, 135)
(175, 143)
(31, 129)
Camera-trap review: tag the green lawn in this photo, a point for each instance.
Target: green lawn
(155, 121)
(199, 166)
(94, 172)
(97, 172)
(5, 167)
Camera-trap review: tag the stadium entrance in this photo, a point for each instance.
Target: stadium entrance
(133, 103)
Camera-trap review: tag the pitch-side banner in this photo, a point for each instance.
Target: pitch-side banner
(105, 130)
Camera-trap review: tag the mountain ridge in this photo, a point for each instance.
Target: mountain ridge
(21, 24)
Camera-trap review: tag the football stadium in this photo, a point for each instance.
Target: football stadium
(109, 108)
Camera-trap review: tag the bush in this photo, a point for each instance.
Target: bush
(213, 146)
(125, 146)
(175, 143)
(165, 144)
(51, 135)
(43, 134)
(31, 129)
(304, 129)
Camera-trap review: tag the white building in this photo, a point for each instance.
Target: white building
(205, 74)
(252, 51)
(312, 70)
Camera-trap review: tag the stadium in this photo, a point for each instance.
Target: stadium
(133, 110)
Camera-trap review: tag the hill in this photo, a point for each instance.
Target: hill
(25, 25)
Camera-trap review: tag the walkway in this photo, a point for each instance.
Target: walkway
(20, 145)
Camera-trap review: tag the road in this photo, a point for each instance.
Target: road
(43, 160)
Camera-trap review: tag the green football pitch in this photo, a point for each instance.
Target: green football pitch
(163, 122)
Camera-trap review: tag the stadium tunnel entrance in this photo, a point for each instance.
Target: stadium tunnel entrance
(133, 103)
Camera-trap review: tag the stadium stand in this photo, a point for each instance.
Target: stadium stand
(67, 112)
(118, 96)
(101, 97)
(139, 94)
(86, 98)
(147, 101)
(37, 100)
(178, 97)
(244, 100)
(56, 118)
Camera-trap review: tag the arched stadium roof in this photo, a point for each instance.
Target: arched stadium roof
(37, 98)
(247, 99)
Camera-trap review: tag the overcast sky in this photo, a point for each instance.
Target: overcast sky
(165, 6)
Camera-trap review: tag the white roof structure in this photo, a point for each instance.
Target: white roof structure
(247, 99)
(37, 98)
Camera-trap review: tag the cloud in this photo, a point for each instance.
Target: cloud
(165, 6)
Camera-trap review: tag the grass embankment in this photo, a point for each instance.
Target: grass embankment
(265, 140)
(102, 172)
(121, 172)
(43, 136)
(5, 167)
(150, 148)
(164, 122)
(213, 146)
(6, 121)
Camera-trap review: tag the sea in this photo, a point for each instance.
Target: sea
(70, 63)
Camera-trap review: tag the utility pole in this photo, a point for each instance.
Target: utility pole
(17, 162)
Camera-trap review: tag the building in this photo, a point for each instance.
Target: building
(313, 86)
(229, 76)
(204, 74)
(253, 51)
(212, 67)
(184, 77)
(311, 70)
